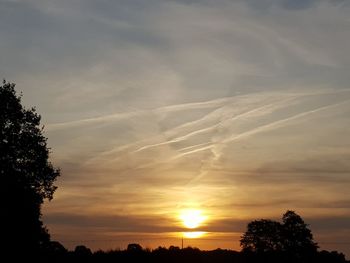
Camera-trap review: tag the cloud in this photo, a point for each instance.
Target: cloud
(137, 224)
(112, 223)
(292, 5)
(111, 45)
(330, 223)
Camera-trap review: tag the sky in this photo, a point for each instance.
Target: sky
(237, 109)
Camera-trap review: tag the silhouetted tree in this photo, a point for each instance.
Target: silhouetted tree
(134, 247)
(82, 251)
(262, 236)
(297, 237)
(26, 175)
(56, 248)
(174, 248)
(292, 239)
(53, 252)
(333, 256)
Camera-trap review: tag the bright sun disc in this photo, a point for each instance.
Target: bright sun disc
(192, 218)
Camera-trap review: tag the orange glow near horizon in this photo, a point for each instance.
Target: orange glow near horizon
(196, 234)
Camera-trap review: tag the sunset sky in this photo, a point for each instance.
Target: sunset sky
(160, 109)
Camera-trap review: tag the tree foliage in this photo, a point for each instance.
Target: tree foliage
(26, 175)
(262, 236)
(297, 237)
(292, 236)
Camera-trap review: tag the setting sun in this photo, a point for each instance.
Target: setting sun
(192, 218)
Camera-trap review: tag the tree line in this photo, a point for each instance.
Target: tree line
(27, 179)
(175, 254)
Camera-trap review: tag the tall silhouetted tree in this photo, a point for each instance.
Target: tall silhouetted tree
(26, 175)
(297, 237)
